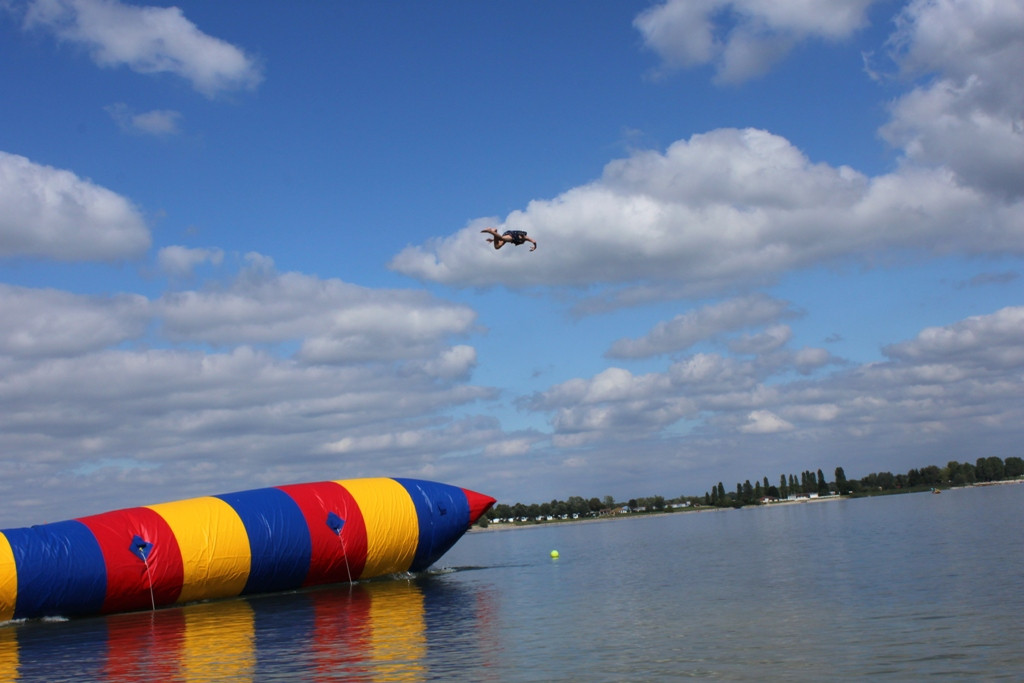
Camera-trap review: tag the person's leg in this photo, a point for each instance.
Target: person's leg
(497, 240)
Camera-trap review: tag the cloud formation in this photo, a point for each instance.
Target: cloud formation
(687, 329)
(42, 323)
(743, 39)
(724, 210)
(950, 380)
(969, 115)
(732, 209)
(51, 213)
(147, 40)
(181, 261)
(331, 320)
(96, 389)
(158, 122)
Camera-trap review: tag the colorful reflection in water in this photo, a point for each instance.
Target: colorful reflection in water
(392, 629)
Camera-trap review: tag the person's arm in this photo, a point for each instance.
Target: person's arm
(532, 241)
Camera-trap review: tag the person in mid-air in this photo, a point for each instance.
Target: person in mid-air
(515, 237)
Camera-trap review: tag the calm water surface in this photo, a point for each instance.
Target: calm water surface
(899, 588)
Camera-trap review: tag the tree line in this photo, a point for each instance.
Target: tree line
(809, 482)
(954, 473)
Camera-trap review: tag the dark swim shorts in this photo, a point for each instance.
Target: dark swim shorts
(518, 236)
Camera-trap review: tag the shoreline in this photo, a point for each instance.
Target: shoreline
(648, 515)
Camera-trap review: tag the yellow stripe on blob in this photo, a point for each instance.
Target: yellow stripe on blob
(214, 547)
(8, 580)
(392, 527)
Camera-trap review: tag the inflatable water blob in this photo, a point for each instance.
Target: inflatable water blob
(257, 541)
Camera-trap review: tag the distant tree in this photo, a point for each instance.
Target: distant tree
(993, 467)
(633, 505)
(595, 505)
(765, 484)
(823, 489)
(997, 467)
(1013, 467)
(707, 498)
(658, 502)
(758, 491)
(783, 487)
(578, 505)
(841, 486)
(913, 477)
(981, 470)
(609, 502)
(931, 475)
(748, 492)
(721, 494)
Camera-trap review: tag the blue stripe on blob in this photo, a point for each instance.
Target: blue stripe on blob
(61, 571)
(278, 539)
(443, 514)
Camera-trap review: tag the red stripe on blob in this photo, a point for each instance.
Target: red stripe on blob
(335, 557)
(478, 504)
(128, 577)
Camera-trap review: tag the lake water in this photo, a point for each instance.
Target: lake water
(898, 588)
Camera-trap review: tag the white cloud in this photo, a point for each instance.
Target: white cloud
(48, 322)
(180, 261)
(158, 122)
(118, 392)
(147, 40)
(722, 210)
(52, 213)
(259, 418)
(509, 448)
(452, 364)
(765, 422)
(808, 359)
(734, 209)
(742, 38)
(687, 329)
(680, 32)
(824, 412)
(955, 383)
(334, 321)
(991, 340)
(765, 341)
(970, 115)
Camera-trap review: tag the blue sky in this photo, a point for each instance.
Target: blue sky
(240, 244)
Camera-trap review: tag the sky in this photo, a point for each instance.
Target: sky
(240, 244)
